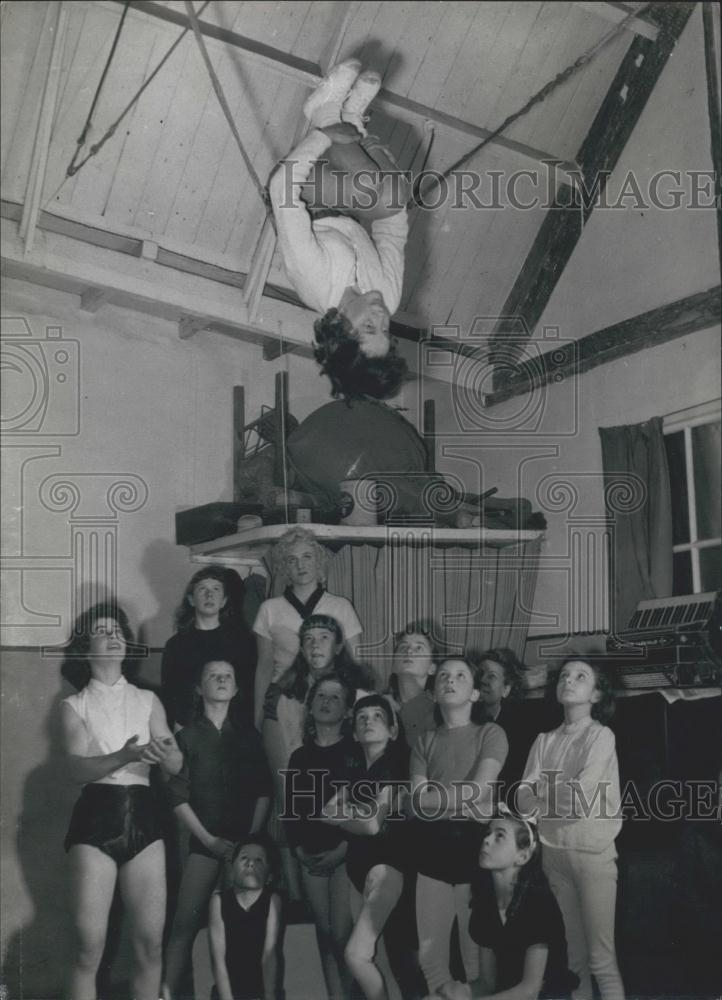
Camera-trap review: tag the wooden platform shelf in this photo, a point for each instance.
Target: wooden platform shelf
(248, 548)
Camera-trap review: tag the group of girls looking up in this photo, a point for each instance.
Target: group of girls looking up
(421, 875)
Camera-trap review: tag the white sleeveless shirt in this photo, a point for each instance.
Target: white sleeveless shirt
(112, 714)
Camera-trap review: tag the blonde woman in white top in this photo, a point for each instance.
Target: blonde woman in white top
(300, 561)
(113, 734)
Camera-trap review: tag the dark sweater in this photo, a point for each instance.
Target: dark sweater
(307, 793)
(184, 655)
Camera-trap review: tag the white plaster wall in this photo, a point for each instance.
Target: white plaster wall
(559, 466)
(154, 410)
(545, 445)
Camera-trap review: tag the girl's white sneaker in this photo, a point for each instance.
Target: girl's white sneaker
(323, 107)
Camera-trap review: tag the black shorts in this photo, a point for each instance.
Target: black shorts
(446, 849)
(120, 820)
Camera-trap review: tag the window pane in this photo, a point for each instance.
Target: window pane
(710, 567)
(678, 484)
(706, 461)
(682, 573)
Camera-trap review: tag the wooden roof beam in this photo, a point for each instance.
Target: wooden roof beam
(598, 155)
(616, 13)
(657, 326)
(309, 74)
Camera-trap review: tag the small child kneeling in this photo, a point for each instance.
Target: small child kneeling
(244, 927)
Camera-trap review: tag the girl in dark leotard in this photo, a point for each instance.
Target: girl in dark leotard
(244, 927)
(113, 734)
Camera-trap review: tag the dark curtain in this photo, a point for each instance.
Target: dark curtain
(638, 501)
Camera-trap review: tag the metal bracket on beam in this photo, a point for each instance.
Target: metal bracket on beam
(149, 250)
(188, 326)
(273, 349)
(93, 298)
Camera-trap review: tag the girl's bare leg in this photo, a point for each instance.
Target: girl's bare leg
(199, 878)
(92, 884)
(381, 894)
(142, 888)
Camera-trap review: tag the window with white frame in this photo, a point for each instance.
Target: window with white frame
(692, 439)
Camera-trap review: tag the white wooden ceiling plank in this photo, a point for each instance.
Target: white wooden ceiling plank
(425, 223)
(490, 275)
(523, 82)
(269, 137)
(150, 123)
(221, 14)
(441, 54)
(471, 222)
(361, 23)
(171, 153)
(491, 75)
(322, 21)
(264, 89)
(22, 26)
(77, 15)
(434, 71)
(364, 31)
(91, 31)
(415, 36)
(555, 57)
(594, 82)
(464, 231)
(125, 75)
(483, 37)
(577, 34)
(432, 236)
(419, 34)
(450, 273)
(209, 142)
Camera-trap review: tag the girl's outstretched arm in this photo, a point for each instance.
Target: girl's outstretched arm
(172, 760)
(340, 812)
(260, 813)
(472, 798)
(217, 946)
(269, 960)
(218, 846)
(532, 980)
(528, 987)
(530, 794)
(264, 672)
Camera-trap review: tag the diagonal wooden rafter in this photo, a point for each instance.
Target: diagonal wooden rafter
(598, 155)
(656, 326)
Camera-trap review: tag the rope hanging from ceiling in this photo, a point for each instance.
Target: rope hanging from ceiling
(541, 95)
(74, 167)
(192, 17)
(417, 199)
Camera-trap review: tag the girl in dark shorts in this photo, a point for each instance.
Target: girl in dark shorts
(113, 734)
(326, 757)
(221, 795)
(452, 773)
(515, 919)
